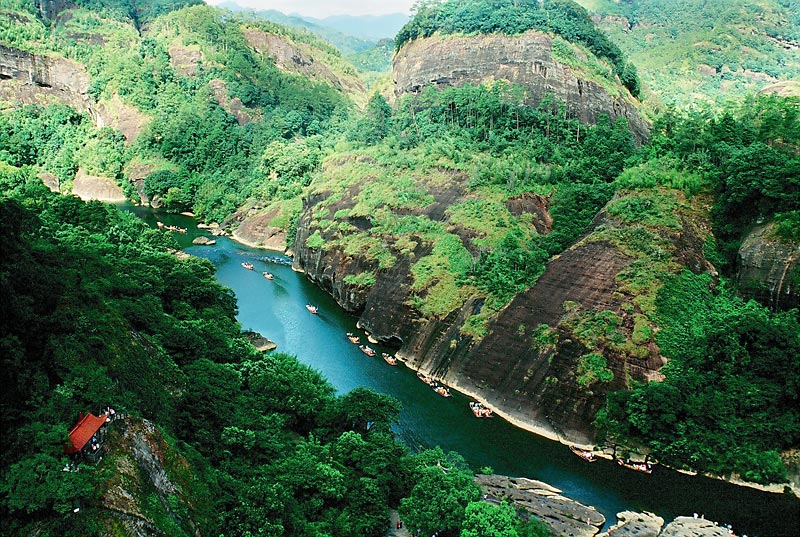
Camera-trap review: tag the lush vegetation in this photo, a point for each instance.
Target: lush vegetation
(200, 155)
(688, 51)
(100, 310)
(745, 154)
(728, 404)
(474, 140)
(561, 17)
(729, 400)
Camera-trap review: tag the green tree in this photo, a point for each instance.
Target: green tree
(483, 519)
(443, 488)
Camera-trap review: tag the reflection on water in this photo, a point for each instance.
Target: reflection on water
(276, 309)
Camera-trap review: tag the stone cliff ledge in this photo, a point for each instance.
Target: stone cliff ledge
(526, 60)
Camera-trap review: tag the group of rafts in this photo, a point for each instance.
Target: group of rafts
(589, 456)
(176, 229)
(250, 266)
(478, 409)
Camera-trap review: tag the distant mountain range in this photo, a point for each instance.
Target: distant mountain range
(371, 27)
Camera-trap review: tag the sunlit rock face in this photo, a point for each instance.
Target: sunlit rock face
(526, 60)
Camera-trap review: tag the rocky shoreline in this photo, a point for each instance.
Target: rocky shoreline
(565, 516)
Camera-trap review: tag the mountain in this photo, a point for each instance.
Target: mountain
(506, 216)
(374, 27)
(513, 242)
(688, 51)
(347, 43)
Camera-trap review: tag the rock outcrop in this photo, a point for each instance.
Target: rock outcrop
(633, 524)
(526, 60)
(254, 228)
(92, 187)
(142, 461)
(768, 269)
(563, 515)
(28, 78)
(297, 58)
(685, 526)
(530, 366)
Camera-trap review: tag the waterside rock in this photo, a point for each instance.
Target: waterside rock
(261, 343)
(630, 523)
(563, 515)
(204, 241)
(684, 526)
(253, 227)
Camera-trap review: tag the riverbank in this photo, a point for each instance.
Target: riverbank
(544, 430)
(517, 420)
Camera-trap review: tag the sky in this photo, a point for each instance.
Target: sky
(324, 8)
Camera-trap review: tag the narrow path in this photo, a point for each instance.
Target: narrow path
(394, 517)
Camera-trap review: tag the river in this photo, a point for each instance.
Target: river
(276, 309)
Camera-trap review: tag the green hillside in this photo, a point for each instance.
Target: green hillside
(183, 71)
(687, 50)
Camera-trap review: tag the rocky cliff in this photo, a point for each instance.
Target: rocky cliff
(27, 78)
(537, 363)
(527, 60)
(296, 57)
(768, 269)
(150, 489)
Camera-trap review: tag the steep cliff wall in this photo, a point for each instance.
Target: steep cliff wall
(768, 269)
(527, 60)
(546, 359)
(27, 78)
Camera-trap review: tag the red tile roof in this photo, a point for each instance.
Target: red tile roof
(83, 431)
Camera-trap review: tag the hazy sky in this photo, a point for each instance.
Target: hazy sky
(324, 8)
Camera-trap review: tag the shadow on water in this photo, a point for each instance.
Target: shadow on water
(276, 309)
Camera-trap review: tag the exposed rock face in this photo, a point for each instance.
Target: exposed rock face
(255, 230)
(293, 58)
(140, 458)
(526, 60)
(49, 9)
(185, 59)
(632, 524)
(234, 106)
(768, 269)
(35, 79)
(563, 515)
(528, 365)
(91, 187)
(65, 80)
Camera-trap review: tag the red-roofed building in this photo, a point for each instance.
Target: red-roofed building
(81, 435)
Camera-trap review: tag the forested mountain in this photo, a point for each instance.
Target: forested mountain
(688, 51)
(531, 240)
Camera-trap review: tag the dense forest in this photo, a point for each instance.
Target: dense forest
(104, 312)
(101, 310)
